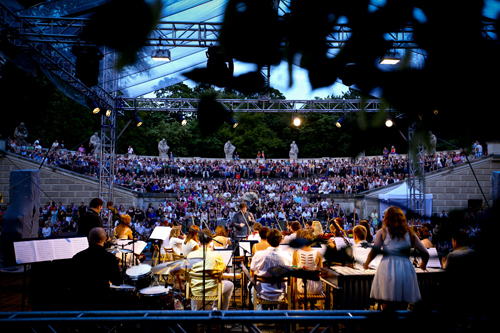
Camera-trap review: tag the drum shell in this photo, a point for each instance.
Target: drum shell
(123, 298)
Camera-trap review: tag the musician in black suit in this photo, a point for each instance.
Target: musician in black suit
(242, 221)
(93, 270)
(91, 219)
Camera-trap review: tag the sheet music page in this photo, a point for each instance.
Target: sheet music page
(160, 233)
(25, 252)
(79, 244)
(62, 248)
(361, 254)
(339, 242)
(138, 247)
(226, 256)
(246, 246)
(44, 251)
(433, 258)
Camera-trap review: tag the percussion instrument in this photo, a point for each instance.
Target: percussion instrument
(350, 288)
(175, 266)
(161, 298)
(115, 250)
(139, 276)
(123, 297)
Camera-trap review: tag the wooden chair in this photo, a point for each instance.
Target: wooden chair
(286, 300)
(299, 298)
(168, 256)
(240, 278)
(156, 255)
(215, 296)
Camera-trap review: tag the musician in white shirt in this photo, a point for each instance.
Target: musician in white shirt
(295, 228)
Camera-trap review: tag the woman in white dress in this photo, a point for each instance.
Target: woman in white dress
(175, 240)
(395, 282)
(310, 259)
(191, 242)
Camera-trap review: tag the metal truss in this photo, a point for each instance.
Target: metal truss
(258, 105)
(107, 161)
(64, 30)
(416, 176)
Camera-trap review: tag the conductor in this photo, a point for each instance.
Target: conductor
(242, 222)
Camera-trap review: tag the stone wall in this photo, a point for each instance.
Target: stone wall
(58, 184)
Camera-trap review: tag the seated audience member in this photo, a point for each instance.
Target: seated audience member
(263, 244)
(90, 289)
(263, 260)
(213, 261)
(308, 258)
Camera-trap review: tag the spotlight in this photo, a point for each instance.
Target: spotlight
(231, 121)
(161, 55)
(96, 110)
(339, 122)
(108, 112)
(93, 106)
(436, 112)
(296, 121)
(390, 59)
(180, 118)
(389, 122)
(136, 118)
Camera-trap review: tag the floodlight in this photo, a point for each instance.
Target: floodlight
(180, 118)
(296, 121)
(339, 122)
(231, 121)
(161, 55)
(137, 120)
(390, 59)
(108, 112)
(389, 122)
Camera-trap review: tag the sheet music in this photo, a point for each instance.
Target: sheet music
(361, 254)
(433, 258)
(137, 248)
(62, 248)
(161, 233)
(44, 251)
(226, 256)
(247, 245)
(79, 244)
(25, 252)
(49, 249)
(339, 242)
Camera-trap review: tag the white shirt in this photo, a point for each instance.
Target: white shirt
(176, 244)
(187, 248)
(289, 238)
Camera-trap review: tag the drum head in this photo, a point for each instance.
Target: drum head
(138, 270)
(154, 291)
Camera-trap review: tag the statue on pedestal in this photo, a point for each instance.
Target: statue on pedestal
(95, 143)
(229, 150)
(294, 150)
(21, 134)
(163, 149)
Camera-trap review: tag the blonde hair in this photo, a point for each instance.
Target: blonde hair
(317, 228)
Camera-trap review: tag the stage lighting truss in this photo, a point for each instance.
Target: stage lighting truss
(161, 54)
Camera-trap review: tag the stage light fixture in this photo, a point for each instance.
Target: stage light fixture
(391, 58)
(108, 113)
(231, 121)
(180, 118)
(389, 122)
(296, 121)
(161, 54)
(136, 118)
(339, 122)
(96, 110)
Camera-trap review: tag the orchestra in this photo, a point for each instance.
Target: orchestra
(304, 251)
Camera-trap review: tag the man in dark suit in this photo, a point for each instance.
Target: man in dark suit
(242, 221)
(93, 270)
(91, 219)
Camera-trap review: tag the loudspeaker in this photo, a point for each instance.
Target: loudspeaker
(20, 220)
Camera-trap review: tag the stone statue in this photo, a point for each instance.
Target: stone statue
(21, 134)
(163, 149)
(294, 150)
(431, 149)
(95, 141)
(229, 150)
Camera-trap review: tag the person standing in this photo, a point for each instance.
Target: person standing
(91, 219)
(395, 282)
(242, 221)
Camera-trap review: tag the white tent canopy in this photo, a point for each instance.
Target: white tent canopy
(398, 196)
